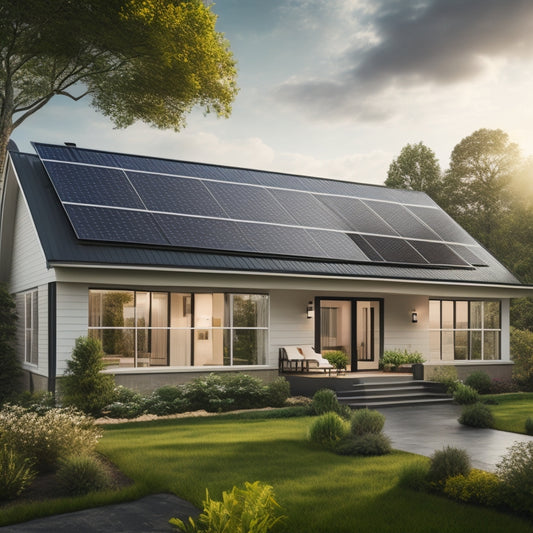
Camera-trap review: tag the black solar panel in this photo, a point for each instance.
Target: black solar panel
(210, 207)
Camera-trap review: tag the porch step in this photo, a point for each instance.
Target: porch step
(390, 393)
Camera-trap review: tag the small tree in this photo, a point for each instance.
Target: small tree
(83, 385)
(10, 369)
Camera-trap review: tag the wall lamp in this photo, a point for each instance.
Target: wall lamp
(310, 310)
(414, 317)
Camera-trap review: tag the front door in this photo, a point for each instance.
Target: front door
(353, 326)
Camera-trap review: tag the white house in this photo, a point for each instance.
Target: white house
(185, 268)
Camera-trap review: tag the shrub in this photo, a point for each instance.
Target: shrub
(365, 421)
(83, 386)
(502, 386)
(465, 395)
(249, 510)
(479, 381)
(446, 463)
(447, 375)
(477, 415)
(44, 438)
(324, 401)
(327, 430)
(477, 487)
(124, 410)
(516, 473)
(337, 358)
(529, 426)
(366, 444)
(278, 391)
(124, 395)
(246, 392)
(414, 476)
(16, 473)
(80, 474)
(521, 354)
(394, 358)
(39, 402)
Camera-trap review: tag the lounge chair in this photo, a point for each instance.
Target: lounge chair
(315, 359)
(290, 355)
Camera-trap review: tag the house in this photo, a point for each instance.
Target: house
(183, 268)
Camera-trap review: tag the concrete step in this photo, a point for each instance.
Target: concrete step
(362, 404)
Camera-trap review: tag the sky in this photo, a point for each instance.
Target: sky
(336, 88)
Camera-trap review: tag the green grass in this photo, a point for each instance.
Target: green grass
(512, 410)
(319, 491)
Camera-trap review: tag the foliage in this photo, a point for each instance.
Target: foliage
(124, 395)
(16, 473)
(324, 401)
(124, 409)
(395, 358)
(38, 401)
(328, 430)
(147, 60)
(414, 476)
(479, 381)
(522, 313)
(364, 444)
(249, 510)
(416, 168)
(528, 426)
(278, 391)
(10, 369)
(502, 386)
(477, 487)
(337, 358)
(45, 438)
(522, 356)
(476, 415)
(81, 474)
(83, 386)
(446, 463)
(447, 375)
(516, 473)
(465, 395)
(365, 421)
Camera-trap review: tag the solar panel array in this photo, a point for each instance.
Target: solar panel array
(126, 199)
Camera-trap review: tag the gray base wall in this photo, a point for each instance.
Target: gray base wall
(33, 382)
(495, 369)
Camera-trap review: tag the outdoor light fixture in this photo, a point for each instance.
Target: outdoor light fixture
(414, 317)
(310, 310)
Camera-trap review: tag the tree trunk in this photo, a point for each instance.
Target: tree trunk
(6, 128)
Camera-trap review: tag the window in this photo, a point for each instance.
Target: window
(465, 329)
(147, 329)
(31, 328)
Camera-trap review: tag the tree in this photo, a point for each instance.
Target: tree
(417, 169)
(10, 369)
(147, 60)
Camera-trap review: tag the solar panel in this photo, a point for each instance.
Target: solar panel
(153, 201)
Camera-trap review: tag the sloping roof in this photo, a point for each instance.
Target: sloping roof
(62, 245)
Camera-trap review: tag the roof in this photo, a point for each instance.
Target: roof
(64, 242)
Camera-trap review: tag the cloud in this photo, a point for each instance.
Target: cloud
(412, 45)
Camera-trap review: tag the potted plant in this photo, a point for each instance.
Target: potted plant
(337, 358)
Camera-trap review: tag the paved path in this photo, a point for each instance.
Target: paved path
(424, 429)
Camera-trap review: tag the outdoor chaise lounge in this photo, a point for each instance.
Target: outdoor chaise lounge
(313, 358)
(291, 355)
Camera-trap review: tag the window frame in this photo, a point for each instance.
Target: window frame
(31, 327)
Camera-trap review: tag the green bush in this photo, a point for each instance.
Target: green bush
(529, 426)
(124, 410)
(168, 393)
(45, 438)
(503, 386)
(83, 385)
(465, 395)
(366, 444)
(516, 474)
(365, 421)
(446, 463)
(124, 395)
(477, 415)
(394, 358)
(447, 376)
(479, 381)
(414, 476)
(324, 401)
(39, 402)
(16, 473)
(278, 391)
(80, 474)
(477, 487)
(249, 510)
(328, 430)
(521, 354)
(337, 358)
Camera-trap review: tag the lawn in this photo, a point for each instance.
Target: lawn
(319, 491)
(512, 410)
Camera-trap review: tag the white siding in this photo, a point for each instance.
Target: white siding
(28, 264)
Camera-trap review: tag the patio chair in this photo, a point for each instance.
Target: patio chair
(290, 355)
(314, 358)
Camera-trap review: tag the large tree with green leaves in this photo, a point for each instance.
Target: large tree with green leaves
(416, 168)
(138, 60)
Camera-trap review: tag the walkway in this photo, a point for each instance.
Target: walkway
(424, 429)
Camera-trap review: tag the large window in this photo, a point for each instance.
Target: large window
(144, 329)
(465, 329)
(31, 327)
